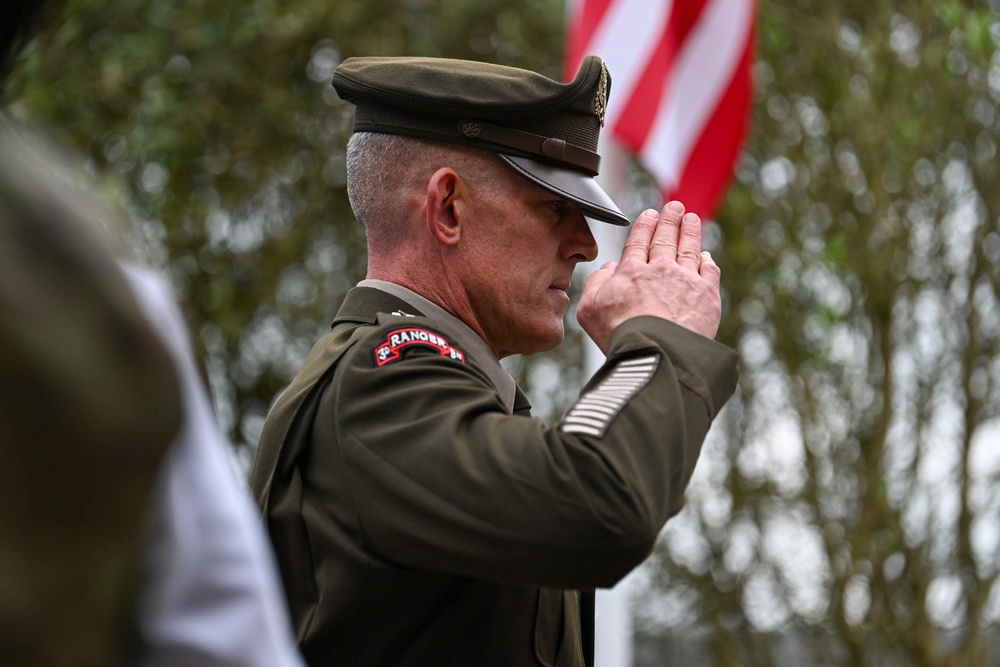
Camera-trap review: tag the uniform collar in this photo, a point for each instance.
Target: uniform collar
(458, 331)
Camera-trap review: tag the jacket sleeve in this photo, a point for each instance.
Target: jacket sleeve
(441, 478)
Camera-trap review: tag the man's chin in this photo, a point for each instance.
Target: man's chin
(544, 342)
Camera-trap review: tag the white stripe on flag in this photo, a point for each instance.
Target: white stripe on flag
(704, 69)
(626, 39)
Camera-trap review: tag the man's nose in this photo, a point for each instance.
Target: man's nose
(580, 243)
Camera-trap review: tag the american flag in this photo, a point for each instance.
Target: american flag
(681, 90)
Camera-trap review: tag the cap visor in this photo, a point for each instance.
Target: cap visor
(575, 186)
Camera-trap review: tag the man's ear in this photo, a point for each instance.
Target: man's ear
(442, 205)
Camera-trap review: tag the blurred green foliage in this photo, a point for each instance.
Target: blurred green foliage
(845, 509)
(216, 121)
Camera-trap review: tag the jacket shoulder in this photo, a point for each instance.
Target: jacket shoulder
(393, 339)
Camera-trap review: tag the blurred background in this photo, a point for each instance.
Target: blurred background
(846, 510)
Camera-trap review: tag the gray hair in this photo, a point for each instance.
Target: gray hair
(383, 169)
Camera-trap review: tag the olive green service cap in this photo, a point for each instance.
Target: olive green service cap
(545, 130)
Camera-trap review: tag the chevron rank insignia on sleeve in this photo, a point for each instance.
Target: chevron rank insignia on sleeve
(592, 414)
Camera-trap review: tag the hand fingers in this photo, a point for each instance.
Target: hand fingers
(710, 271)
(597, 278)
(664, 240)
(637, 244)
(689, 242)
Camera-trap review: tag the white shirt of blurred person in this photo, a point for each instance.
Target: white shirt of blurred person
(208, 592)
(210, 595)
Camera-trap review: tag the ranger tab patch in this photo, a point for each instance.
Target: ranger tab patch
(398, 340)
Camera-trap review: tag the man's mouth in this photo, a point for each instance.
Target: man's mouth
(561, 285)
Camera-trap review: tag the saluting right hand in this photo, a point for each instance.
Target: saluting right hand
(662, 272)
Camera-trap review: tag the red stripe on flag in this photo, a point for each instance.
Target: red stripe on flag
(710, 167)
(709, 164)
(632, 125)
(583, 25)
(687, 13)
(636, 119)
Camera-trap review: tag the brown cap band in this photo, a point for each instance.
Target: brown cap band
(546, 148)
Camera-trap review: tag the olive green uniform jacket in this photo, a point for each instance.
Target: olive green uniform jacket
(418, 522)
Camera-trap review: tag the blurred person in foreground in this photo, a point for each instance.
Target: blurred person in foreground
(125, 537)
(419, 514)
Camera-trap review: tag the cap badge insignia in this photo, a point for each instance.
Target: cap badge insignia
(601, 99)
(471, 128)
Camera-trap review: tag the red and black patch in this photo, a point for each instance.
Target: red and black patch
(400, 339)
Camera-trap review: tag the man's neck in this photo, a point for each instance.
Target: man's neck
(442, 293)
(466, 337)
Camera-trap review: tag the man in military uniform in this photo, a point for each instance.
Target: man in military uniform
(419, 514)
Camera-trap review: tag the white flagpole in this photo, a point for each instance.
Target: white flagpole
(613, 622)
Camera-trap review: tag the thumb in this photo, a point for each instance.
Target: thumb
(596, 279)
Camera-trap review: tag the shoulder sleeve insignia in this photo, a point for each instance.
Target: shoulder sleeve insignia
(398, 340)
(594, 411)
